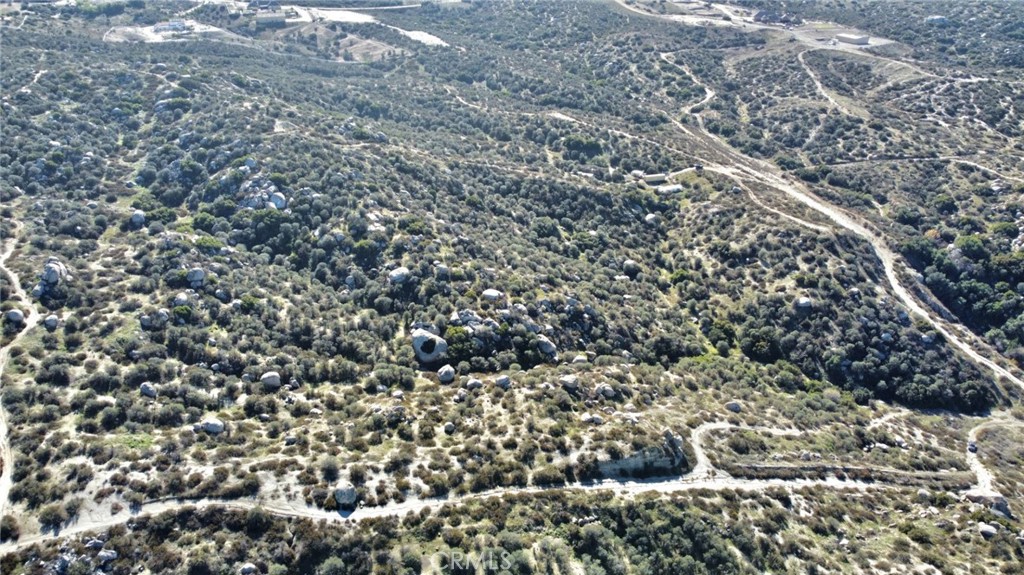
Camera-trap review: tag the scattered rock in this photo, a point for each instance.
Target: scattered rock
(569, 382)
(106, 556)
(605, 390)
(446, 374)
(474, 383)
(278, 200)
(94, 544)
(138, 218)
(428, 347)
(581, 358)
(290, 440)
(804, 303)
(147, 389)
(924, 494)
(449, 428)
(247, 569)
(181, 299)
(15, 316)
(545, 346)
(492, 294)
(630, 267)
(503, 381)
(51, 322)
(987, 531)
(651, 219)
(734, 406)
(196, 277)
(271, 380)
(213, 425)
(398, 275)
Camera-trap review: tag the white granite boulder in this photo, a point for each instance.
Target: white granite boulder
(428, 347)
(271, 380)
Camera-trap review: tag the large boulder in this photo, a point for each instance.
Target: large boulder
(196, 277)
(545, 346)
(147, 389)
(106, 556)
(987, 531)
(213, 426)
(492, 294)
(271, 380)
(54, 272)
(346, 496)
(398, 275)
(428, 347)
(51, 322)
(15, 316)
(446, 374)
(181, 299)
(734, 406)
(138, 218)
(278, 200)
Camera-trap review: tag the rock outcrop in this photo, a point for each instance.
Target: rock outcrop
(428, 347)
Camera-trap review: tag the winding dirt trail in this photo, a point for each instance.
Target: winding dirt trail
(820, 87)
(986, 480)
(31, 320)
(721, 158)
(703, 469)
(703, 476)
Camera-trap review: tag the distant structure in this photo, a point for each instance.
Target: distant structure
(265, 5)
(775, 17)
(653, 179)
(270, 18)
(172, 26)
(937, 20)
(854, 39)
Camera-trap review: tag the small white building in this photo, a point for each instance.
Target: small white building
(670, 189)
(854, 39)
(652, 179)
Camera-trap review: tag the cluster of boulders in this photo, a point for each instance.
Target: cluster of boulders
(260, 193)
(483, 331)
(54, 272)
(155, 320)
(68, 561)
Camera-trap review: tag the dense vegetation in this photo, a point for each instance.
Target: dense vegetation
(340, 185)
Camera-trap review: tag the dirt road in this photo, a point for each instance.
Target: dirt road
(31, 320)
